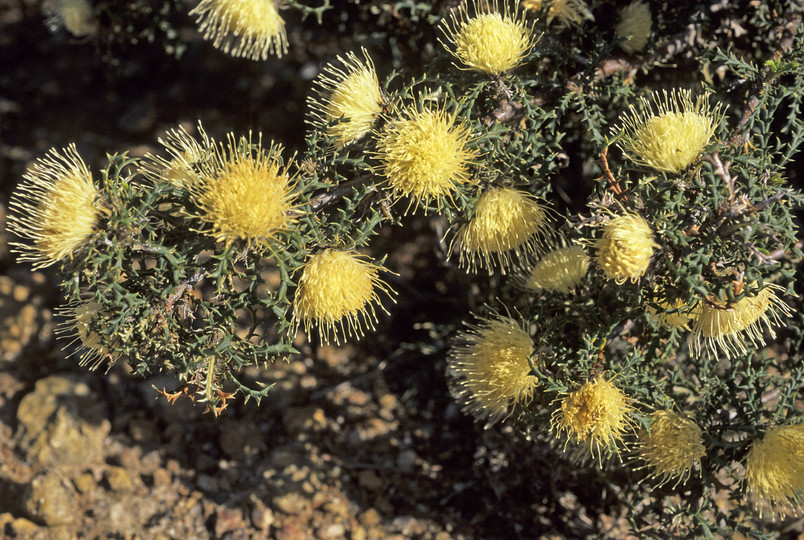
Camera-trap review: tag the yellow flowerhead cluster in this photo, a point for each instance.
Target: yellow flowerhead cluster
(635, 23)
(56, 207)
(625, 249)
(352, 95)
(243, 28)
(596, 414)
(561, 270)
(490, 369)
(337, 291)
(424, 155)
(507, 222)
(673, 136)
(79, 320)
(76, 16)
(774, 470)
(565, 12)
(489, 42)
(671, 447)
(724, 327)
(245, 193)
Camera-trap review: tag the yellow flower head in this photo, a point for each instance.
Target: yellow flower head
(56, 207)
(507, 222)
(489, 42)
(424, 155)
(671, 138)
(243, 28)
(774, 470)
(635, 23)
(490, 369)
(186, 156)
(625, 249)
(672, 447)
(723, 327)
(352, 95)
(596, 415)
(338, 291)
(76, 16)
(565, 12)
(673, 314)
(79, 320)
(244, 193)
(561, 269)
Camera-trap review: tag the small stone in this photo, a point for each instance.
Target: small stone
(292, 503)
(49, 501)
(406, 460)
(162, 478)
(119, 479)
(24, 528)
(207, 483)
(262, 518)
(226, 520)
(369, 480)
(297, 419)
(240, 440)
(370, 518)
(84, 483)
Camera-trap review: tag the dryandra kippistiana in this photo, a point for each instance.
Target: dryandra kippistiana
(672, 137)
(186, 156)
(56, 207)
(492, 42)
(561, 270)
(626, 247)
(80, 320)
(243, 28)
(508, 225)
(338, 292)
(597, 415)
(774, 471)
(424, 154)
(635, 23)
(490, 369)
(352, 95)
(723, 327)
(245, 193)
(565, 12)
(671, 447)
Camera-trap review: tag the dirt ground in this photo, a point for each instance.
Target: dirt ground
(356, 442)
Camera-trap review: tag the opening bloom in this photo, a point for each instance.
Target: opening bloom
(490, 370)
(352, 95)
(673, 136)
(187, 153)
(561, 269)
(75, 16)
(493, 42)
(673, 314)
(507, 223)
(596, 415)
(672, 447)
(625, 249)
(565, 12)
(245, 193)
(635, 23)
(243, 28)
(724, 327)
(774, 470)
(56, 207)
(80, 319)
(424, 154)
(338, 291)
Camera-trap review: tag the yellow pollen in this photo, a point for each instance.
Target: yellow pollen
(774, 471)
(672, 447)
(561, 269)
(626, 247)
(242, 28)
